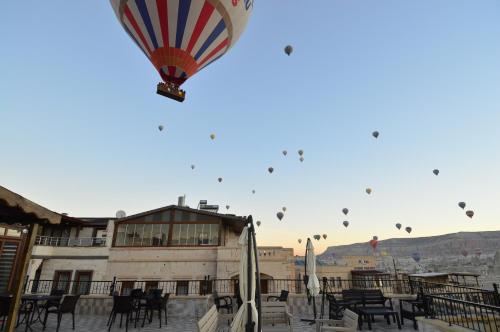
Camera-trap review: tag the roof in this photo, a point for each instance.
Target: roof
(464, 274)
(428, 275)
(236, 222)
(96, 222)
(17, 209)
(368, 272)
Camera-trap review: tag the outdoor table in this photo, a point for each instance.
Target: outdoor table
(368, 312)
(35, 308)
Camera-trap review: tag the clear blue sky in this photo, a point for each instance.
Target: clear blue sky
(79, 117)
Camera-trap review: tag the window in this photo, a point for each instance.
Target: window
(83, 280)
(195, 234)
(182, 287)
(141, 235)
(62, 280)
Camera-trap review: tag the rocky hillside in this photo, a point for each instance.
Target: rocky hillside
(433, 246)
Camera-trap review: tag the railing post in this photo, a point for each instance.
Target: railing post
(497, 294)
(112, 287)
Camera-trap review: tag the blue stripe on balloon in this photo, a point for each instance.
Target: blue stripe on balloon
(141, 5)
(213, 36)
(213, 60)
(183, 75)
(181, 21)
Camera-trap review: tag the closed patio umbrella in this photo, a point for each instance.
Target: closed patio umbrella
(310, 278)
(248, 309)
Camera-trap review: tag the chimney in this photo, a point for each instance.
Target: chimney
(181, 201)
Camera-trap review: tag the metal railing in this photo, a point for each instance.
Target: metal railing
(70, 242)
(471, 315)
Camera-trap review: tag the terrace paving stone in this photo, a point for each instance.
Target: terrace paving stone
(87, 323)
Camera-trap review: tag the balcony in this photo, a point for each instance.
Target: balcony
(70, 242)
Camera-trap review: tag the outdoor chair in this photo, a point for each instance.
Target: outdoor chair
(123, 305)
(336, 307)
(164, 305)
(115, 294)
(349, 323)
(154, 302)
(282, 298)
(67, 306)
(5, 301)
(223, 302)
(53, 303)
(411, 309)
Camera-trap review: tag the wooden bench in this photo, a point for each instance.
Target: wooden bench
(366, 297)
(275, 317)
(211, 320)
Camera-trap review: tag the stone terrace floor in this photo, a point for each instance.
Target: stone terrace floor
(98, 323)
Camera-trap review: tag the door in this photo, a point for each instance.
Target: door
(83, 280)
(62, 280)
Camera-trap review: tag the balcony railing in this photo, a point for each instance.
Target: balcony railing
(70, 242)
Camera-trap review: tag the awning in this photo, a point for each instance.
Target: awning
(16, 209)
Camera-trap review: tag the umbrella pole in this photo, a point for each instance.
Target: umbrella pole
(250, 324)
(257, 278)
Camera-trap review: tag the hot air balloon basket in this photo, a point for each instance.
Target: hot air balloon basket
(171, 90)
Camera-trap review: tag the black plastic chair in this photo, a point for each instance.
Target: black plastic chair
(154, 302)
(223, 302)
(123, 305)
(5, 301)
(115, 294)
(54, 303)
(67, 306)
(282, 298)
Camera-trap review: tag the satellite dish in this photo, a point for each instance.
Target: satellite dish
(120, 214)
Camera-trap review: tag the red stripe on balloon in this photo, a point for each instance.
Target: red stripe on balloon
(214, 51)
(171, 71)
(205, 14)
(132, 20)
(163, 15)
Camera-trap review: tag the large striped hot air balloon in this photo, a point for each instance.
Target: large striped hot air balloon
(181, 37)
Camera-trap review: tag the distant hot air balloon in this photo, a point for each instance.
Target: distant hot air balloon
(212, 136)
(464, 253)
(301, 152)
(375, 134)
(345, 211)
(436, 172)
(160, 127)
(345, 223)
(253, 191)
(375, 237)
(469, 213)
(462, 205)
(398, 226)
(416, 256)
(180, 38)
(219, 179)
(299, 241)
(192, 166)
(270, 170)
(325, 236)
(288, 49)
(373, 244)
(408, 229)
(283, 208)
(280, 215)
(301, 159)
(258, 223)
(368, 190)
(227, 207)
(285, 152)
(317, 237)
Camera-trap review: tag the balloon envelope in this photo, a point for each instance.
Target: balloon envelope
(436, 172)
(227, 207)
(219, 179)
(398, 226)
(470, 213)
(280, 215)
(270, 170)
(345, 223)
(416, 257)
(160, 127)
(299, 240)
(253, 191)
(301, 159)
(283, 208)
(368, 191)
(373, 244)
(181, 37)
(462, 205)
(258, 223)
(284, 152)
(288, 49)
(301, 152)
(212, 136)
(345, 211)
(375, 134)
(325, 236)
(408, 229)
(192, 166)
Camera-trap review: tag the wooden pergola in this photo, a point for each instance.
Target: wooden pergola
(15, 209)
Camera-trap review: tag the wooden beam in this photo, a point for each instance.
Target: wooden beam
(19, 279)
